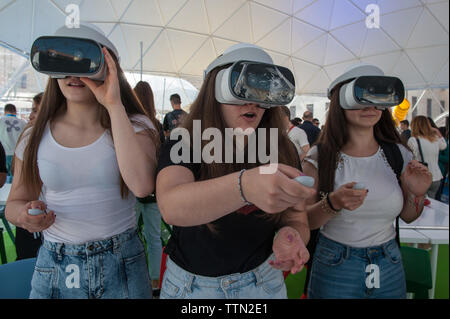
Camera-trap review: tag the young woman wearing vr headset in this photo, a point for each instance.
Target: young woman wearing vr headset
(90, 149)
(357, 255)
(226, 215)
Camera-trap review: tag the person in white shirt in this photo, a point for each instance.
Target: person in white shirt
(296, 134)
(357, 234)
(10, 129)
(90, 151)
(431, 142)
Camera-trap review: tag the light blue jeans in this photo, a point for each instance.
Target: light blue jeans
(263, 282)
(343, 272)
(114, 268)
(152, 234)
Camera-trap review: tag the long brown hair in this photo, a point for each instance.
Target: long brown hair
(53, 103)
(421, 127)
(144, 93)
(335, 135)
(207, 109)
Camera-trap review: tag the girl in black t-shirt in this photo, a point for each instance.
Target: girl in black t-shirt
(222, 246)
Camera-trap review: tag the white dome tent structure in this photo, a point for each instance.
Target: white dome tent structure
(317, 39)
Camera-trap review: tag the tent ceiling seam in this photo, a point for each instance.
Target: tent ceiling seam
(300, 10)
(7, 5)
(427, 7)
(252, 32)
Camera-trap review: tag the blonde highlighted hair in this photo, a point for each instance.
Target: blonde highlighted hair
(421, 127)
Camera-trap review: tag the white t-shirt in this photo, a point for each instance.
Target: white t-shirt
(82, 186)
(372, 223)
(430, 152)
(10, 129)
(299, 138)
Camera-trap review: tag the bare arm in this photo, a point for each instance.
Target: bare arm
(316, 215)
(415, 181)
(178, 195)
(136, 154)
(20, 199)
(297, 220)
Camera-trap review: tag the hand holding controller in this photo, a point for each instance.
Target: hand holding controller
(359, 186)
(307, 181)
(36, 212)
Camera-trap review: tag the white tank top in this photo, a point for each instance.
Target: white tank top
(82, 186)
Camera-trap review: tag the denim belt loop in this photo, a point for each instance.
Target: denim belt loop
(189, 281)
(116, 244)
(384, 248)
(347, 251)
(59, 248)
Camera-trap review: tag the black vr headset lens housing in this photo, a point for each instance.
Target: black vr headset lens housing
(64, 56)
(368, 91)
(379, 90)
(266, 84)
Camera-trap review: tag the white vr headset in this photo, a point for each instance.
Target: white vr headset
(72, 52)
(251, 78)
(368, 87)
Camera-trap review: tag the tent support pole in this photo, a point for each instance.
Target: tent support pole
(142, 64)
(418, 101)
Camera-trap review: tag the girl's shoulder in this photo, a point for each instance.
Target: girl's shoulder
(23, 142)
(141, 122)
(313, 156)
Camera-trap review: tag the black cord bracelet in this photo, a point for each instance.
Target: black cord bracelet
(329, 203)
(240, 188)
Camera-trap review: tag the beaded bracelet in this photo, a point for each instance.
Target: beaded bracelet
(240, 188)
(326, 205)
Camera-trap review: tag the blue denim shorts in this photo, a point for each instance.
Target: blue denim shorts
(343, 272)
(263, 282)
(114, 268)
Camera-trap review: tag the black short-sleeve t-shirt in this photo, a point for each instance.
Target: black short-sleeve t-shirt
(2, 160)
(173, 119)
(240, 242)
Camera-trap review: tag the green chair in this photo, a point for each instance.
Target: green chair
(6, 224)
(417, 265)
(2, 248)
(166, 232)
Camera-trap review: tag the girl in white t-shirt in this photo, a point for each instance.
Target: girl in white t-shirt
(357, 255)
(90, 149)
